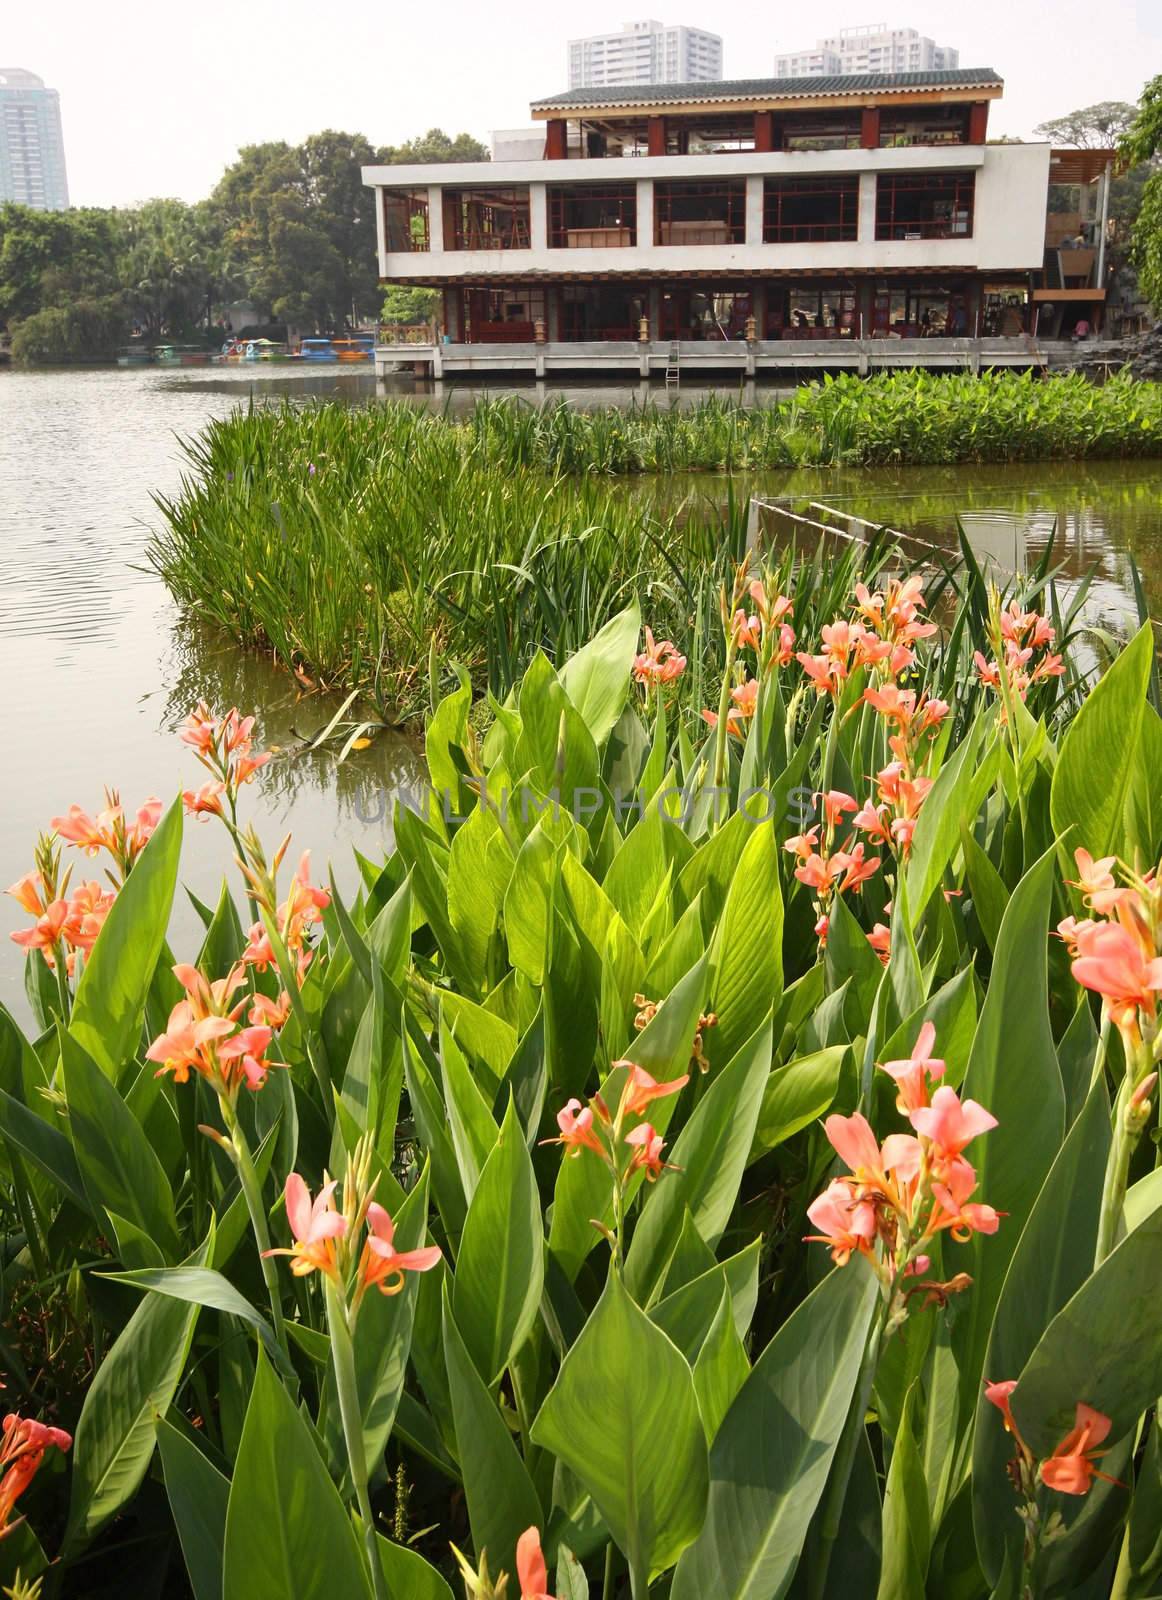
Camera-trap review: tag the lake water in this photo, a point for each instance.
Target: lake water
(98, 668)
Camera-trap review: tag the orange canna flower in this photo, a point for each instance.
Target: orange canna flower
(272, 1013)
(880, 939)
(659, 662)
(648, 1146)
(640, 1088)
(206, 801)
(315, 1226)
(531, 1572)
(381, 1264)
(186, 1043)
(29, 892)
(243, 1054)
(576, 1125)
(1070, 1469)
(24, 1443)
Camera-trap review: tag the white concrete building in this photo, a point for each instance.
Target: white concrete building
(645, 52)
(737, 218)
(877, 48)
(32, 147)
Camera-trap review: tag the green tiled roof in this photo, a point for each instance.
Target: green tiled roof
(857, 83)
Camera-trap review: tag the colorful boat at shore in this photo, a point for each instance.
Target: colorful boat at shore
(135, 355)
(357, 347)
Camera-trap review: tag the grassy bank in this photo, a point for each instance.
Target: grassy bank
(351, 543)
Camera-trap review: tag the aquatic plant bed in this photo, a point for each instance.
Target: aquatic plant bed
(714, 1155)
(345, 540)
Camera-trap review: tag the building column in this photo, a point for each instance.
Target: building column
(867, 207)
(869, 128)
(654, 302)
(764, 130)
(644, 227)
(538, 216)
(556, 139)
(758, 305)
(380, 233)
(553, 311)
(754, 209)
(435, 219)
(978, 122)
(656, 136)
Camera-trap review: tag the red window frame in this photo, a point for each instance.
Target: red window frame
(711, 203)
(955, 191)
(617, 201)
(777, 191)
(405, 220)
(485, 217)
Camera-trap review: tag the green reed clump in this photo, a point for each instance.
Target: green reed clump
(348, 542)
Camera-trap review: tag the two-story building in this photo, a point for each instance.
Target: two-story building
(732, 223)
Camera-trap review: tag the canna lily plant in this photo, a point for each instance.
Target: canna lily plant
(688, 1165)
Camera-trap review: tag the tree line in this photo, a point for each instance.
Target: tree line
(289, 228)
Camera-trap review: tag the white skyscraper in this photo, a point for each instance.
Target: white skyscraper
(876, 48)
(32, 148)
(645, 52)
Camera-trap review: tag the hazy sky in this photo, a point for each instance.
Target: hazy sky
(156, 98)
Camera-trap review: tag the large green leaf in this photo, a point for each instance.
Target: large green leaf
(710, 1155)
(1052, 1260)
(470, 1120)
(198, 1496)
(110, 1002)
(796, 1095)
(408, 1575)
(501, 1265)
(721, 1368)
(773, 1452)
(1101, 1347)
(686, 1315)
(906, 1534)
(747, 957)
(119, 1166)
(1103, 739)
(116, 1434)
(623, 1417)
(1013, 1073)
(502, 1502)
(201, 1286)
(528, 905)
(287, 1532)
(596, 679)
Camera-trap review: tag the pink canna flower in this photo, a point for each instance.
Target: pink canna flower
(949, 1124)
(648, 1145)
(531, 1572)
(48, 930)
(824, 673)
(87, 833)
(912, 1075)
(803, 845)
(869, 819)
(382, 1265)
(846, 1224)
(999, 1394)
(1070, 1469)
(259, 951)
(835, 803)
(640, 1088)
(199, 730)
(315, 1226)
(855, 868)
(745, 698)
(880, 939)
(659, 662)
(822, 927)
(747, 631)
(576, 1125)
(856, 1145)
(1113, 962)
